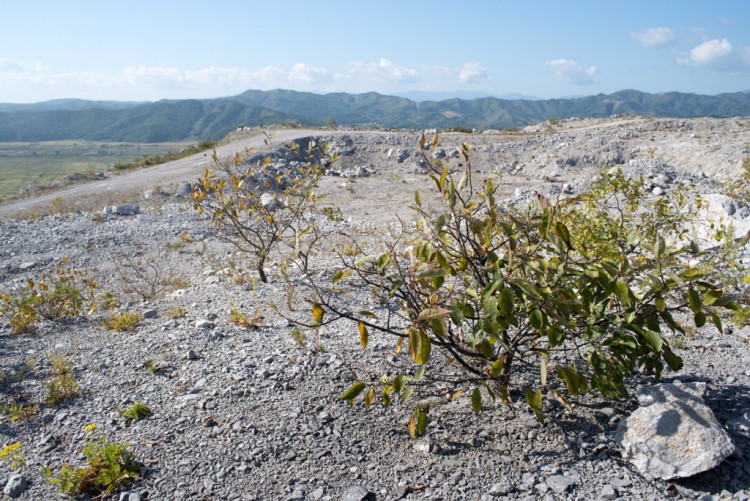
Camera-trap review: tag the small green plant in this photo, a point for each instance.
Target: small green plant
(19, 412)
(13, 456)
(238, 318)
(177, 312)
(332, 213)
(299, 337)
(65, 292)
(61, 385)
(110, 466)
(151, 365)
(137, 411)
(742, 316)
(122, 322)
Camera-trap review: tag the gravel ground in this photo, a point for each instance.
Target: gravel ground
(249, 414)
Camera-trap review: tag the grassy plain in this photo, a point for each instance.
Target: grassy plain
(45, 163)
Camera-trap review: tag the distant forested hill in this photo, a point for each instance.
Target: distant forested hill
(213, 118)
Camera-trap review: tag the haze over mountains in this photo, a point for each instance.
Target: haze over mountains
(195, 119)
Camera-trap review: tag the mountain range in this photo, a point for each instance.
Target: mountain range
(211, 119)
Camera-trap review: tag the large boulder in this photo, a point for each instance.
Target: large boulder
(673, 434)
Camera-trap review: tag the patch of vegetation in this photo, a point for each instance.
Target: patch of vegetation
(553, 300)
(61, 385)
(169, 156)
(13, 456)
(137, 411)
(122, 322)
(64, 293)
(19, 412)
(109, 467)
(177, 312)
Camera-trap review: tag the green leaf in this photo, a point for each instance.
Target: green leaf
(363, 334)
(534, 399)
(417, 199)
(353, 391)
(406, 394)
(508, 302)
(717, 321)
(486, 349)
(653, 340)
(623, 293)
(575, 382)
(546, 219)
(489, 307)
(497, 368)
(399, 382)
(562, 231)
(419, 374)
(526, 287)
(673, 361)
(700, 319)
(536, 318)
(476, 400)
(712, 296)
(694, 300)
(383, 261)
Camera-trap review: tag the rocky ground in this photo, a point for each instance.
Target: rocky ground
(248, 413)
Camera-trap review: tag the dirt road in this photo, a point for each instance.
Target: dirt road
(178, 171)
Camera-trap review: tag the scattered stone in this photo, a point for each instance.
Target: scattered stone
(27, 265)
(501, 489)
(673, 434)
(608, 492)
(204, 324)
(192, 355)
(149, 313)
(559, 483)
(16, 485)
(358, 493)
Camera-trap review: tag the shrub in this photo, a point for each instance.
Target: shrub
(65, 292)
(551, 300)
(122, 322)
(61, 385)
(110, 466)
(257, 207)
(148, 272)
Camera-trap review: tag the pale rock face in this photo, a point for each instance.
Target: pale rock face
(673, 434)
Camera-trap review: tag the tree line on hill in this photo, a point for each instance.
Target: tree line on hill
(212, 119)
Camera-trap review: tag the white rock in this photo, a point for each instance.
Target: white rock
(673, 434)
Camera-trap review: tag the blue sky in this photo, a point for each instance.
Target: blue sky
(149, 50)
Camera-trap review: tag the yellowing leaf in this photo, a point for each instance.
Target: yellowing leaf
(363, 334)
(317, 313)
(433, 313)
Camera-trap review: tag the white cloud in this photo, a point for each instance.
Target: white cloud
(303, 73)
(11, 65)
(654, 37)
(473, 73)
(203, 78)
(566, 69)
(720, 56)
(383, 70)
(710, 53)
